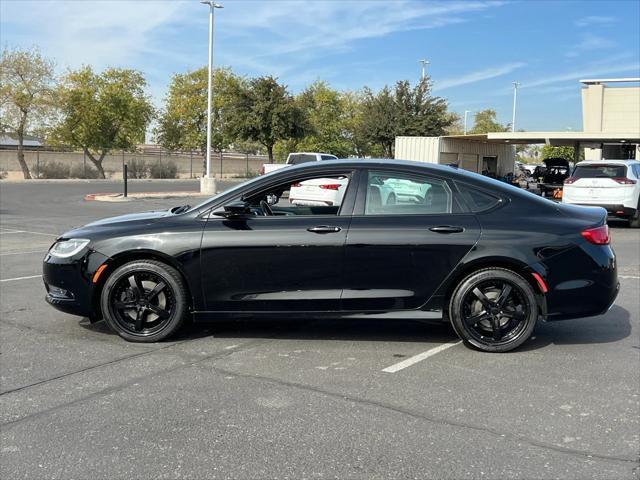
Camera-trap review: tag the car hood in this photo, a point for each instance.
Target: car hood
(131, 217)
(113, 223)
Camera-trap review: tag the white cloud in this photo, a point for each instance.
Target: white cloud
(589, 43)
(594, 20)
(99, 33)
(477, 76)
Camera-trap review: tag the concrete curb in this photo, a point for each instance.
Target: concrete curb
(119, 197)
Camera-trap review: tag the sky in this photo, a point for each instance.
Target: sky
(476, 48)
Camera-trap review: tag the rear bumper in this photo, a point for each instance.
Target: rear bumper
(582, 282)
(614, 210)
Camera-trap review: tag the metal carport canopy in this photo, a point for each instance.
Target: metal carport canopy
(569, 139)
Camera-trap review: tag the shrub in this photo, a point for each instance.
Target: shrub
(137, 168)
(165, 169)
(78, 171)
(53, 169)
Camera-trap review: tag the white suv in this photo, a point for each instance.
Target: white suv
(611, 184)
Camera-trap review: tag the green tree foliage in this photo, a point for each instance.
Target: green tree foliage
(183, 122)
(549, 151)
(262, 110)
(26, 86)
(485, 121)
(403, 111)
(325, 110)
(102, 112)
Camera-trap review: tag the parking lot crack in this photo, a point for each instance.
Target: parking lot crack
(432, 419)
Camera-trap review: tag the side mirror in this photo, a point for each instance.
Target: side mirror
(235, 210)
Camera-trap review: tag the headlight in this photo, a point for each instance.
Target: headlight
(68, 248)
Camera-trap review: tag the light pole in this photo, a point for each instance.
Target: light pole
(515, 97)
(466, 112)
(208, 185)
(424, 63)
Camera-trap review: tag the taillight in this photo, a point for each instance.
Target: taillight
(624, 180)
(570, 180)
(597, 236)
(331, 186)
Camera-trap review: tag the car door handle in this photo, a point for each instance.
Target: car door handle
(446, 229)
(323, 229)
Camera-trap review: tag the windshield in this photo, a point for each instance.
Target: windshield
(600, 171)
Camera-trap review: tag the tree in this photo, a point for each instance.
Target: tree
(26, 85)
(262, 110)
(183, 122)
(549, 151)
(354, 126)
(485, 121)
(102, 112)
(325, 111)
(403, 111)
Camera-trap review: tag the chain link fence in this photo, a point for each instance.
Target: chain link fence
(156, 164)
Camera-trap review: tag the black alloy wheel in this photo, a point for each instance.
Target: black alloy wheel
(144, 301)
(494, 310)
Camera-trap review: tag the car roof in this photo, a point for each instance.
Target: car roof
(608, 161)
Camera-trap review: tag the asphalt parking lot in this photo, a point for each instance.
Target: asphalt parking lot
(300, 398)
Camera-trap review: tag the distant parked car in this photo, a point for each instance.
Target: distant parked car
(611, 184)
(297, 158)
(551, 179)
(319, 192)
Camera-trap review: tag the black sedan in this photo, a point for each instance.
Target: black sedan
(431, 241)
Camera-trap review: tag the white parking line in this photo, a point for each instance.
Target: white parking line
(634, 277)
(23, 253)
(418, 358)
(19, 278)
(29, 231)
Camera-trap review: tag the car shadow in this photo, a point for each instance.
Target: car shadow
(615, 325)
(611, 327)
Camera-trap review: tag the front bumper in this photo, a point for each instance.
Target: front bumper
(68, 282)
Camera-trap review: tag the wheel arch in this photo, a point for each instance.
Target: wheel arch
(507, 263)
(120, 259)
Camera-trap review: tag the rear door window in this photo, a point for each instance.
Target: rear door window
(328, 157)
(391, 193)
(600, 171)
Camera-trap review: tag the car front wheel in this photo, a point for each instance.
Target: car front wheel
(493, 310)
(144, 301)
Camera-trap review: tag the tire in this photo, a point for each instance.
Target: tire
(634, 221)
(144, 301)
(485, 320)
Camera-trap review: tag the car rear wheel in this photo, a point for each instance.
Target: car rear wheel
(144, 301)
(493, 310)
(634, 221)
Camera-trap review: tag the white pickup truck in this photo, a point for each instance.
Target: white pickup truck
(296, 159)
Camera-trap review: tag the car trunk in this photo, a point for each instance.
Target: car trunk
(599, 183)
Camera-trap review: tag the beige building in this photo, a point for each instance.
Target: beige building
(612, 106)
(611, 129)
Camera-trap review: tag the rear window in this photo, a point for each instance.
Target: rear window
(600, 171)
(299, 158)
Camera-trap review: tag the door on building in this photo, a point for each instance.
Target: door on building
(490, 166)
